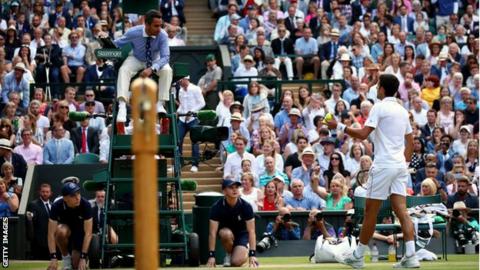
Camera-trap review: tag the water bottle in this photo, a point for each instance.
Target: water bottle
(374, 253)
(367, 255)
(392, 257)
(469, 248)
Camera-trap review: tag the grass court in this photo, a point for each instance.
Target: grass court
(455, 262)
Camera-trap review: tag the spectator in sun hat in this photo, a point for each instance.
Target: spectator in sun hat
(286, 132)
(16, 82)
(309, 165)
(7, 155)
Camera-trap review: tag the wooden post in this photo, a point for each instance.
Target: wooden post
(144, 146)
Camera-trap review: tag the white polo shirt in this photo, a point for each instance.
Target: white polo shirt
(391, 124)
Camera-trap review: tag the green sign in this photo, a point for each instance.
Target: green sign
(108, 53)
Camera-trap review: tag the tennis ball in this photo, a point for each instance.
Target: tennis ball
(328, 117)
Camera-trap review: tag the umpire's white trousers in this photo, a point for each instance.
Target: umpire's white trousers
(130, 67)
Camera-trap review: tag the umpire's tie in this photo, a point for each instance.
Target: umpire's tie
(148, 52)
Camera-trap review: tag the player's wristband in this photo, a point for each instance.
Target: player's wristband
(341, 127)
(252, 253)
(53, 256)
(211, 254)
(83, 255)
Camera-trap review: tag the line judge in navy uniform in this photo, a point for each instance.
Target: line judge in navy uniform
(233, 219)
(151, 54)
(70, 228)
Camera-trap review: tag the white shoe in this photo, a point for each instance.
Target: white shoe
(408, 262)
(350, 260)
(122, 112)
(226, 260)
(67, 263)
(160, 108)
(194, 169)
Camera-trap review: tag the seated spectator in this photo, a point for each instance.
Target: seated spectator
(329, 51)
(337, 199)
(223, 108)
(14, 184)
(247, 168)
(471, 159)
(428, 187)
(445, 154)
(314, 107)
(258, 119)
(462, 194)
(249, 192)
(270, 171)
(85, 139)
(69, 94)
(236, 125)
(98, 73)
(293, 160)
(281, 47)
(283, 228)
(335, 167)
(15, 82)
(233, 163)
(173, 40)
(300, 201)
(286, 132)
(58, 150)
(282, 117)
(35, 111)
(31, 152)
(28, 122)
(427, 129)
(257, 95)
(269, 69)
(73, 59)
(61, 115)
(336, 96)
(309, 165)
(459, 146)
(272, 199)
(306, 49)
(237, 59)
(352, 163)
(268, 151)
(418, 157)
(471, 112)
(328, 149)
(9, 201)
(246, 70)
(7, 130)
(98, 123)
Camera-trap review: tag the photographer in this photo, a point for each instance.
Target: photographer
(464, 228)
(283, 228)
(316, 226)
(49, 57)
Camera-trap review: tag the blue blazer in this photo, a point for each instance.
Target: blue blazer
(63, 155)
(410, 21)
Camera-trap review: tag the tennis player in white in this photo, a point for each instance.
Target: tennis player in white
(390, 131)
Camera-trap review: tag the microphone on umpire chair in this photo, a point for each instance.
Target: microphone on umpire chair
(80, 116)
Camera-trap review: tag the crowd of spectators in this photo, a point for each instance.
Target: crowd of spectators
(432, 47)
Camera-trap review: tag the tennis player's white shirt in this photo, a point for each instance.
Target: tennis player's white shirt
(389, 170)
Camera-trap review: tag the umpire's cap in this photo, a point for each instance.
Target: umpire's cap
(70, 188)
(228, 183)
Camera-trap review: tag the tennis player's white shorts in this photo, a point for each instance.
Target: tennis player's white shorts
(382, 182)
